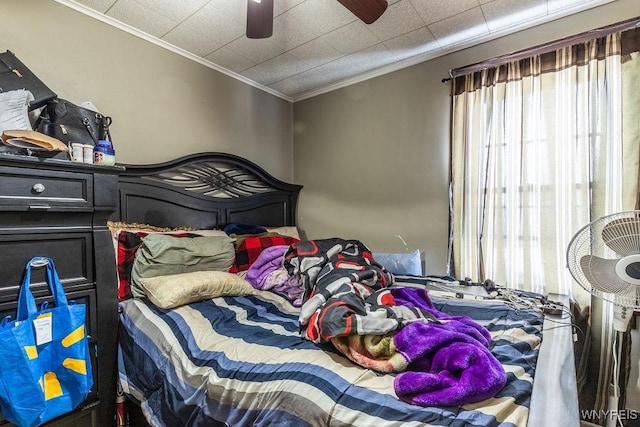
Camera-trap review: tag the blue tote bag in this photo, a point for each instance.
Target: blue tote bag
(45, 366)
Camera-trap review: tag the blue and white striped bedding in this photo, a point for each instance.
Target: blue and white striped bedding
(240, 361)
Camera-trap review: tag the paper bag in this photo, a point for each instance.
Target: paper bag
(32, 140)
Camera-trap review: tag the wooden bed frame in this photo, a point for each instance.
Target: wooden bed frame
(210, 190)
(205, 191)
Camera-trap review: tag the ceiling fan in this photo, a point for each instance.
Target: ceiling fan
(260, 14)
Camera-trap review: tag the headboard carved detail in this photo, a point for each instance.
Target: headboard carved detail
(205, 190)
(214, 179)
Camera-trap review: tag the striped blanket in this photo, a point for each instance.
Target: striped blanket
(240, 361)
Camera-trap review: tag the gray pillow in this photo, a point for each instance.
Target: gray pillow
(161, 255)
(401, 263)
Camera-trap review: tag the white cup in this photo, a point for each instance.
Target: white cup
(87, 153)
(77, 152)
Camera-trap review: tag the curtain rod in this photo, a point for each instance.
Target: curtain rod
(544, 48)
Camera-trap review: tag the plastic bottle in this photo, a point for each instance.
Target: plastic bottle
(104, 154)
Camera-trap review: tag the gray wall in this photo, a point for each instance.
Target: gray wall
(163, 105)
(373, 157)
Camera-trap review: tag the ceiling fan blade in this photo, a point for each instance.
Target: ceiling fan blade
(259, 19)
(367, 10)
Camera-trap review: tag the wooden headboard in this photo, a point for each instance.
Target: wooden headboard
(205, 191)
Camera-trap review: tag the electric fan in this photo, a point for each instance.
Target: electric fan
(604, 258)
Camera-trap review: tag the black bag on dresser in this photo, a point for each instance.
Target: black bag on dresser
(71, 123)
(15, 75)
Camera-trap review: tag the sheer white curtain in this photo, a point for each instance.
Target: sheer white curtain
(540, 147)
(535, 156)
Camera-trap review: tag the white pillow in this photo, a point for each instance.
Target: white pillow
(291, 231)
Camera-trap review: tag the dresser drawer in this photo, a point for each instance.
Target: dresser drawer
(72, 254)
(42, 190)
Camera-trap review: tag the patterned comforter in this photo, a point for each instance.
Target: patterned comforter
(353, 302)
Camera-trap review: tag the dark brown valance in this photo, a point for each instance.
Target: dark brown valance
(495, 70)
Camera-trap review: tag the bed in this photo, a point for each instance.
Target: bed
(244, 359)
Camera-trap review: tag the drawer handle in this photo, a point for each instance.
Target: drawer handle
(38, 188)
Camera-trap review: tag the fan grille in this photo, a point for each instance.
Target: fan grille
(604, 258)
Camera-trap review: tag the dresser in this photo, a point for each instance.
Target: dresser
(59, 209)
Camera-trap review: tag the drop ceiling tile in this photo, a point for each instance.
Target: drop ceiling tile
(343, 68)
(322, 16)
(351, 38)
(192, 42)
(195, 35)
(290, 32)
(142, 18)
(501, 14)
(417, 42)
(281, 6)
(436, 10)
(259, 50)
(398, 19)
(98, 5)
(291, 86)
(360, 62)
(232, 61)
(234, 9)
(302, 83)
(174, 10)
(460, 29)
(211, 17)
(274, 70)
(315, 53)
(311, 79)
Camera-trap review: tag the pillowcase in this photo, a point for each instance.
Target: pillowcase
(127, 243)
(401, 263)
(163, 254)
(174, 290)
(291, 231)
(251, 248)
(116, 227)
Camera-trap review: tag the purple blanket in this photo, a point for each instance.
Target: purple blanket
(450, 363)
(267, 273)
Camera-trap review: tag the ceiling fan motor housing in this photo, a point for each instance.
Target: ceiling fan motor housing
(628, 269)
